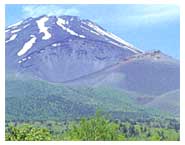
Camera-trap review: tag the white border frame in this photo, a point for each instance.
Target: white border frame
(182, 65)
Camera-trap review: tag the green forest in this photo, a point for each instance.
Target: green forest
(95, 128)
(41, 111)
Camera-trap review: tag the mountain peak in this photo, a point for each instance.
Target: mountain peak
(56, 43)
(49, 26)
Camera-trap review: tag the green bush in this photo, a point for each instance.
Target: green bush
(27, 132)
(94, 129)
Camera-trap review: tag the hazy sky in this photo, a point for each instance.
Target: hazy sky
(145, 26)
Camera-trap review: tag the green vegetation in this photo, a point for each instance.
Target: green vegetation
(27, 132)
(93, 128)
(143, 132)
(40, 100)
(38, 110)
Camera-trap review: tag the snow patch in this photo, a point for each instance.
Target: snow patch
(12, 38)
(112, 36)
(24, 59)
(27, 45)
(82, 36)
(16, 24)
(97, 29)
(19, 61)
(116, 44)
(26, 25)
(42, 28)
(119, 39)
(15, 31)
(61, 22)
(7, 30)
(122, 41)
(94, 32)
(56, 44)
(89, 30)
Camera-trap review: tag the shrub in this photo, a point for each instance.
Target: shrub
(94, 129)
(27, 132)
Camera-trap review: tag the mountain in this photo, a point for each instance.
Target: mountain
(151, 74)
(67, 47)
(67, 67)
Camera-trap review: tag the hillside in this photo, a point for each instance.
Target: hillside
(39, 100)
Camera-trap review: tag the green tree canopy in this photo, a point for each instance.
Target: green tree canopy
(27, 132)
(95, 129)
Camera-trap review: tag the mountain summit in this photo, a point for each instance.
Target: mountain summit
(62, 48)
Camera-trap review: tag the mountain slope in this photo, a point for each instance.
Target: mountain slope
(33, 99)
(151, 74)
(66, 46)
(28, 100)
(167, 102)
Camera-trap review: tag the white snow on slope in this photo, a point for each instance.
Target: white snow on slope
(82, 36)
(7, 30)
(119, 39)
(12, 38)
(27, 45)
(19, 61)
(112, 36)
(26, 25)
(24, 59)
(15, 31)
(56, 44)
(89, 30)
(61, 22)
(94, 32)
(42, 28)
(16, 24)
(117, 44)
(124, 42)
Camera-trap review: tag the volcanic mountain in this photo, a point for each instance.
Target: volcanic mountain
(62, 48)
(78, 54)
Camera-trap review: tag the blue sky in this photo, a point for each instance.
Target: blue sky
(147, 27)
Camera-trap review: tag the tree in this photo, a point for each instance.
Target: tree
(27, 132)
(94, 129)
